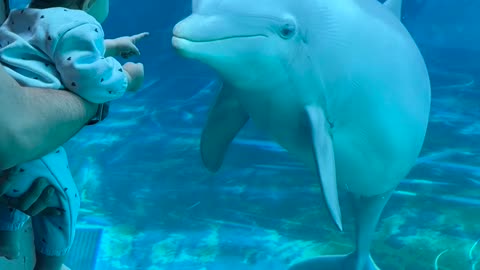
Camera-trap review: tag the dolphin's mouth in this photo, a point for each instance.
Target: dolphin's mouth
(205, 40)
(185, 44)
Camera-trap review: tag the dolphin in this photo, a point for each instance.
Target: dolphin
(340, 84)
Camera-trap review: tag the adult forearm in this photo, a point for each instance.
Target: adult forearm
(34, 122)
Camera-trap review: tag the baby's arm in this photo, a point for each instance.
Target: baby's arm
(110, 48)
(135, 75)
(123, 46)
(79, 58)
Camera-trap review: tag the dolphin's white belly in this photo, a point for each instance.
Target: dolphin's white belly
(362, 167)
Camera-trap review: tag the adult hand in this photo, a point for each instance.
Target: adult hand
(34, 201)
(4, 10)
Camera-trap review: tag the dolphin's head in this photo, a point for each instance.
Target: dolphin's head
(246, 41)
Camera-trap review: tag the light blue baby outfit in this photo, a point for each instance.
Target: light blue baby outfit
(56, 48)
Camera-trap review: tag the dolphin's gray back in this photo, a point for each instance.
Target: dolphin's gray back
(375, 9)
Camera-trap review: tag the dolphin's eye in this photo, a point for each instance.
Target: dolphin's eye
(287, 31)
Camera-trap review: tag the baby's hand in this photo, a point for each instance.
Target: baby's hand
(125, 46)
(135, 75)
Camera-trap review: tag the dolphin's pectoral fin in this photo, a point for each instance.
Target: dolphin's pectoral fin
(225, 120)
(395, 6)
(324, 160)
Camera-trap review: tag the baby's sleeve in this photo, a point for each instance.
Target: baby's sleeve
(79, 58)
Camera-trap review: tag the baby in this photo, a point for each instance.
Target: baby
(59, 44)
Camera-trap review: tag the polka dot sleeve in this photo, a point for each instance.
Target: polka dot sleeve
(79, 58)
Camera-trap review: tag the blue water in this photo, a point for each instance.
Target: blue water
(143, 181)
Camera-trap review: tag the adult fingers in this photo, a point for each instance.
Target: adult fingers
(33, 195)
(5, 182)
(51, 211)
(42, 202)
